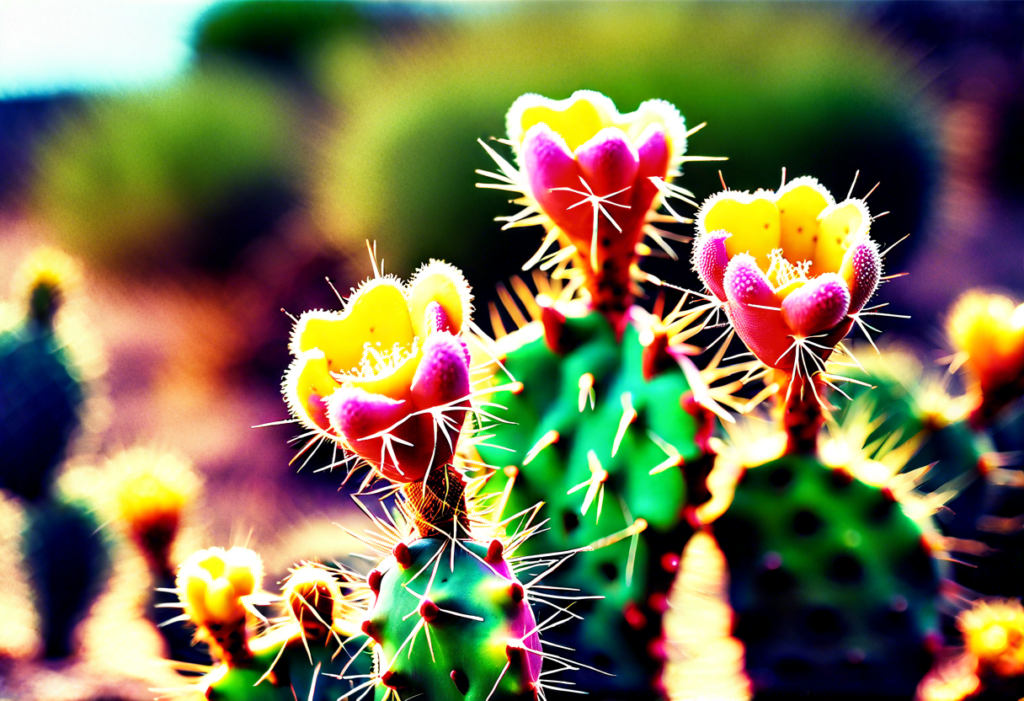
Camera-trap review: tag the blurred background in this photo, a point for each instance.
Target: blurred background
(209, 164)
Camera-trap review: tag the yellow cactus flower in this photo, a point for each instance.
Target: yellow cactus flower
(993, 632)
(988, 329)
(376, 376)
(788, 266)
(215, 585)
(152, 488)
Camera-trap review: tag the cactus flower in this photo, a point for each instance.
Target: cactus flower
(214, 585)
(993, 633)
(387, 377)
(594, 179)
(793, 269)
(988, 329)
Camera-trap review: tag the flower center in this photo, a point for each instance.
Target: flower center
(781, 271)
(378, 361)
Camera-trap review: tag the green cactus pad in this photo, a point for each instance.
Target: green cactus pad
(478, 617)
(40, 397)
(239, 682)
(617, 630)
(833, 585)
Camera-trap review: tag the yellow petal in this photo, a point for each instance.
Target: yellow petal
(445, 284)
(376, 313)
(213, 562)
(656, 112)
(222, 602)
(838, 225)
(309, 376)
(195, 586)
(753, 221)
(576, 119)
(244, 569)
(800, 202)
(789, 288)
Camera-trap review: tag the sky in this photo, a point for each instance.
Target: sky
(50, 46)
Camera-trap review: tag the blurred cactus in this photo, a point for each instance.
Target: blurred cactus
(151, 490)
(68, 560)
(282, 33)
(43, 390)
(833, 584)
(41, 399)
(186, 174)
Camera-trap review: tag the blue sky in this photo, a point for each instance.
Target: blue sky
(53, 45)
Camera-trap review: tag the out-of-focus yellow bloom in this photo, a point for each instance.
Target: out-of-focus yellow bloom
(993, 633)
(989, 330)
(214, 584)
(44, 279)
(152, 489)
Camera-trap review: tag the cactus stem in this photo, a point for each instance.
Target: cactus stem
(802, 414)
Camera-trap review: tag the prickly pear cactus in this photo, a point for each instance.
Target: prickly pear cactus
(603, 425)
(313, 652)
(453, 624)
(587, 430)
(68, 559)
(833, 585)
(387, 380)
(42, 389)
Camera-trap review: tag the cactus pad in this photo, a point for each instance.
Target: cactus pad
(609, 444)
(833, 585)
(451, 621)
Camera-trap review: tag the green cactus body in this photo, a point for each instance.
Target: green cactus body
(306, 667)
(301, 670)
(915, 406)
(40, 397)
(239, 681)
(833, 585)
(627, 620)
(67, 559)
(479, 621)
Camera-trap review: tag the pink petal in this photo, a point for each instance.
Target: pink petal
(652, 149)
(443, 372)
(608, 163)
(710, 259)
(817, 306)
(754, 310)
(862, 270)
(549, 164)
(436, 318)
(653, 152)
(357, 414)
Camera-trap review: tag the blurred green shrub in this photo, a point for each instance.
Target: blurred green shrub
(188, 173)
(285, 33)
(780, 85)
